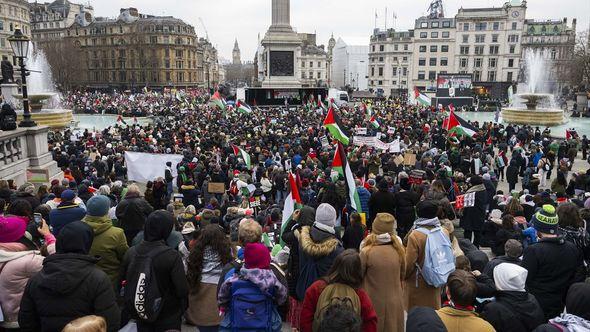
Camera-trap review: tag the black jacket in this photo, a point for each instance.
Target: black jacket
(353, 236)
(405, 208)
(513, 312)
(132, 213)
(477, 258)
(552, 265)
(68, 287)
(474, 217)
(489, 269)
(512, 172)
(306, 218)
(381, 202)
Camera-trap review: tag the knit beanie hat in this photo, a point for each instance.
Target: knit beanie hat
(68, 195)
(325, 218)
(98, 206)
(256, 256)
(427, 209)
(545, 220)
(510, 277)
(383, 223)
(28, 188)
(12, 228)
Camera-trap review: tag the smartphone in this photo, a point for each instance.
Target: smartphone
(38, 219)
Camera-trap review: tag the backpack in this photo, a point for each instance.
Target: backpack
(335, 294)
(250, 308)
(141, 292)
(439, 260)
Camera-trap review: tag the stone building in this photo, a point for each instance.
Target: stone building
(313, 62)
(12, 13)
(555, 40)
(50, 20)
(137, 50)
(390, 62)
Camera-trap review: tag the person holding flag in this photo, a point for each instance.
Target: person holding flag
(335, 127)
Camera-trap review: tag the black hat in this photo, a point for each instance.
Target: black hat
(475, 180)
(427, 209)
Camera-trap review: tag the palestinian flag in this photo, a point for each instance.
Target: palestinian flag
(457, 126)
(374, 122)
(120, 119)
(321, 105)
(332, 123)
(368, 110)
(421, 98)
(292, 202)
(217, 101)
(243, 108)
(463, 201)
(340, 166)
(241, 153)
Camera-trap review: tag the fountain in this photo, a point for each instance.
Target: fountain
(44, 100)
(533, 107)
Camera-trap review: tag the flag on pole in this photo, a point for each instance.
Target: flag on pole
(120, 119)
(340, 166)
(463, 201)
(292, 202)
(421, 98)
(457, 126)
(240, 152)
(217, 101)
(321, 105)
(374, 122)
(244, 108)
(332, 123)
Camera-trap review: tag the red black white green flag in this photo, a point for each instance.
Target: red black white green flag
(334, 126)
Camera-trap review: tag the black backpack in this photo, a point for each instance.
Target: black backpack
(142, 295)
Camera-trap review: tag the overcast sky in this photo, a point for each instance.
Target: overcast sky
(352, 20)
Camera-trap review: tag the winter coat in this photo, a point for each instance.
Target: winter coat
(190, 195)
(513, 312)
(317, 252)
(474, 217)
(264, 279)
(381, 266)
(405, 208)
(380, 202)
(552, 264)
(461, 320)
(477, 258)
(132, 212)
(353, 236)
(68, 287)
(512, 172)
(109, 244)
(312, 295)
(291, 236)
(33, 200)
(489, 269)
(364, 197)
(65, 214)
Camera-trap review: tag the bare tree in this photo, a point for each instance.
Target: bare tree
(577, 71)
(66, 62)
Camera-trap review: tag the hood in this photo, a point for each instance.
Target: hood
(306, 216)
(572, 323)
(317, 249)
(578, 300)
(99, 224)
(262, 278)
(63, 273)
(510, 277)
(7, 256)
(158, 226)
(75, 237)
(525, 304)
(467, 246)
(424, 319)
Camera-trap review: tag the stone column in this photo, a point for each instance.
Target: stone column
(281, 15)
(8, 92)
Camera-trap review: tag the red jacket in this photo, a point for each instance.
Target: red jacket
(368, 314)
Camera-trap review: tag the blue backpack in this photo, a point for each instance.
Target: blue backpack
(439, 260)
(251, 309)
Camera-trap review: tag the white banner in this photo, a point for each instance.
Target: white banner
(373, 141)
(360, 131)
(144, 167)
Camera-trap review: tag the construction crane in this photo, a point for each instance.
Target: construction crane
(204, 28)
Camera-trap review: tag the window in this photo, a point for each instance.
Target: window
(463, 62)
(492, 62)
(434, 25)
(372, 71)
(494, 38)
(445, 34)
(153, 39)
(422, 62)
(478, 50)
(464, 50)
(465, 26)
(514, 25)
(444, 48)
(509, 76)
(394, 59)
(424, 24)
(405, 71)
(381, 48)
(432, 75)
(394, 71)
(491, 76)
(303, 76)
(512, 49)
(421, 75)
(477, 62)
(466, 38)
(373, 48)
(311, 74)
(311, 64)
(481, 26)
(494, 49)
(513, 38)
(395, 47)
(496, 26)
(510, 63)
(166, 63)
(423, 34)
(432, 61)
(434, 34)
(553, 54)
(446, 24)
(302, 64)
(405, 47)
(380, 71)
(477, 75)
(444, 62)
(405, 58)
(433, 48)
(422, 48)
(319, 75)
(380, 82)
(380, 59)
(480, 38)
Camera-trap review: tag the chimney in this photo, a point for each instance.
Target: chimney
(574, 21)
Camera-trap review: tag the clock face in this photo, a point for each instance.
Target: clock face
(515, 14)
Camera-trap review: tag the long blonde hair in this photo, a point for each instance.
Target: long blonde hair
(372, 241)
(89, 323)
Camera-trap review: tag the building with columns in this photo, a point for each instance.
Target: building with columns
(12, 13)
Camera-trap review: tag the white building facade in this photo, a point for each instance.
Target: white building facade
(350, 65)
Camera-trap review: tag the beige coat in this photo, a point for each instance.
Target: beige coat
(461, 320)
(423, 295)
(383, 283)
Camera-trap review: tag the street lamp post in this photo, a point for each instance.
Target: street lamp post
(20, 46)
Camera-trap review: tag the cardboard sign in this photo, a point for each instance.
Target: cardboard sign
(216, 187)
(409, 159)
(398, 160)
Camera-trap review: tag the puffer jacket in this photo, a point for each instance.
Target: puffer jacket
(65, 213)
(109, 244)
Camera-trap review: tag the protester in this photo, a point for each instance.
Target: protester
(66, 212)
(382, 201)
(577, 316)
(424, 319)
(132, 212)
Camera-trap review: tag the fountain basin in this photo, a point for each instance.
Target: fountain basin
(541, 117)
(36, 100)
(54, 118)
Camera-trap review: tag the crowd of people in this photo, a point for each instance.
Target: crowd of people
(453, 233)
